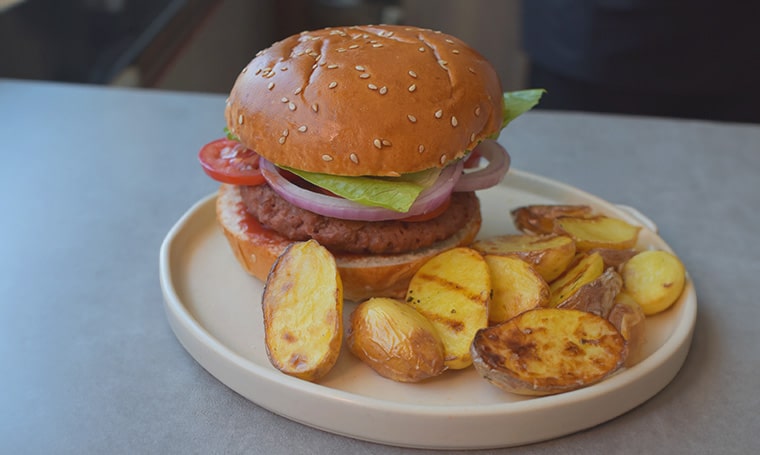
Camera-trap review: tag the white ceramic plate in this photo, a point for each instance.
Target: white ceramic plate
(214, 309)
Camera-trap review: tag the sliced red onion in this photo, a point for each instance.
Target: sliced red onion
(337, 207)
(498, 165)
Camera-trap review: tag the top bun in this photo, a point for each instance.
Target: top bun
(365, 100)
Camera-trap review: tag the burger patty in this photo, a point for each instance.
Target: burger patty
(378, 237)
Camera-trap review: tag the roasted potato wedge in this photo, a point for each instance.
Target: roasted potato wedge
(539, 219)
(655, 280)
(547, 351)
(548, 254)
(628, 317)
(395, 340)
(585, 269)
(452, 291)
(517, 287)
(598, 231)
(303, 311)
(596, 296)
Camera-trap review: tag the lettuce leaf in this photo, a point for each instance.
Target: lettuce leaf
(394, 193)
(519, 102)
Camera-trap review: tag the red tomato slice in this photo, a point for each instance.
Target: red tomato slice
(229, 161)
(430, 215)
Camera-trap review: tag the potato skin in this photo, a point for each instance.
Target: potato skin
(548, 351)
(395, 340)
(303, 311)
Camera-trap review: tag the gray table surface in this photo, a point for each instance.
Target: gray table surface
(92, 179)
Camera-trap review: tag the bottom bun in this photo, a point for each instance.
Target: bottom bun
(363, 276)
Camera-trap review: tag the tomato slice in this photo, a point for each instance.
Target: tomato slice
(229, 161)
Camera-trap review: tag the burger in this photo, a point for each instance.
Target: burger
(366, 139)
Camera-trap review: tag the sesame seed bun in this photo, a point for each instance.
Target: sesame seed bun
(365, 100)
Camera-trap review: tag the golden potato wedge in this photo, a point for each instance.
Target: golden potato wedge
(585, 269)
(655, 280)
(628, 317)
(548, 254)
(598, 232)
(303, 311)
(596, 296)
(539, 219)
(517, 287)
(395, 340)
(547, 351)
(452, 291)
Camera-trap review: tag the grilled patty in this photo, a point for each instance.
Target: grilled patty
(377, 237)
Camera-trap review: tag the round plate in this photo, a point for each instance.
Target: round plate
(214, 309)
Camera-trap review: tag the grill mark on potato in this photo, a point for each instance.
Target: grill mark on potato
(452, 286)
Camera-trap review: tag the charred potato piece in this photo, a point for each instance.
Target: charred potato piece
(303, 311)
(452, 291)
(517, 287)
(655, 280)
(548, 254)
(547, 351)
(598, 232)
(628, 317)
(539, 219)
(586, 269)
(597, 296)
(395, 340)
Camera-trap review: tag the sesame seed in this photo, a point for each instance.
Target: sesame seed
(332, 66)
(455, 51)
(439, 113)
(281, 140)
(477, 111)
(364, 76)
(270, 86)
(297, 91)
(421, 49)
(333, 84)
(412, 118)
(378, 143)
(359, 68)
(412, 87)
(454, 121)
(354, 158)
(421, 148)
(413, 74)
(258, 71)
(383, 90)
(353, 46)
(244, 70)
(315, 107)
(240, 119)
(327, 158)
(285, 133)
(341, 49)
(377, 45)
(443, 158)
(372, 86)
(291, 106)
(472, 137)
(283, 68)
(284, 99)
(386, 143)
(471, 70)
(443, 63)
(302, 129)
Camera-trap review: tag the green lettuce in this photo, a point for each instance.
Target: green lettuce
(399, 193)
(394, 193)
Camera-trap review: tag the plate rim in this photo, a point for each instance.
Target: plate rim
(203, 346)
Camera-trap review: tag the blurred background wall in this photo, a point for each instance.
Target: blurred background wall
(201, 45)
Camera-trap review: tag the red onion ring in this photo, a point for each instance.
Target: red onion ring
(498, 165)
(337, 207)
